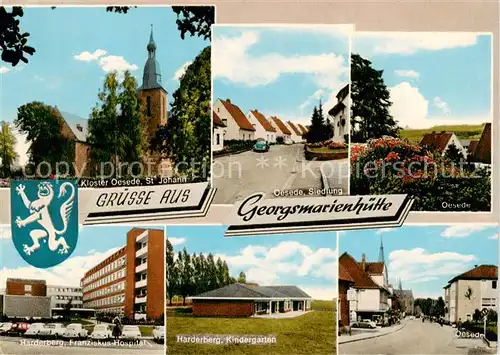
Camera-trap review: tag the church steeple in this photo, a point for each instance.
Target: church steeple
(381, 257)
(151, 78)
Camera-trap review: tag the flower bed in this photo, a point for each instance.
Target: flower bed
(234, 146)
(395, 166)
(325, 153)
(327, 144)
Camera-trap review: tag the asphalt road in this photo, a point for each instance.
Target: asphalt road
(417, 338)
(283, 167)
(16, 345)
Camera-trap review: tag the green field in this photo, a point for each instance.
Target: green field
(462, 132)
(311, 333)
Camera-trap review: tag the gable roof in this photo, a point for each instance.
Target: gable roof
(437, 141)
(360, 277)
(78, 125)
(238, 115)
(472, 146)
(240, 290)
(482, 152)
(481, 272)
(302, 128)
(342, 94)
(281, 126)
(374, 267)
(263, 121)
(217, 121)
(294, 128)
(344, 274)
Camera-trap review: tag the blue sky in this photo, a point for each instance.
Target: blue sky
(305, 260)
(55, 77)
(425, 257)
(434, 78)
(94, 245)
(280, 70)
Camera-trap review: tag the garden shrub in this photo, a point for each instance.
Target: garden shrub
(396, 166)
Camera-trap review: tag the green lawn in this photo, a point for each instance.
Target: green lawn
(462, 132)
(311, 333)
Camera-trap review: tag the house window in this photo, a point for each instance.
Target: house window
(27, 288)
(218, 110)
(218, 138)
(224, 120)
(494, 284)
(148, 105)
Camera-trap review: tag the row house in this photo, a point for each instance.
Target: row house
(219, 128)
(474, 289)
(238, 127)
(368, 295)
(296, 134)
(263, 128)
(282, 130)
(340, 115)
(441, 141)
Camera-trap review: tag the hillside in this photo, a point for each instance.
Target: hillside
(462, 132)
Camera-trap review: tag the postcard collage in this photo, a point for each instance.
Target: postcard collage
(189, 180)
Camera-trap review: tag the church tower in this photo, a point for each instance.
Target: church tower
(152, 93)
(381, 258)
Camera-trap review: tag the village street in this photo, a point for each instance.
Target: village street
(283, 167)
(417, 338)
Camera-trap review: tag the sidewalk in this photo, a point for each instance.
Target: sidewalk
(369, 334)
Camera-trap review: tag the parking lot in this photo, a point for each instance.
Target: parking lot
(22, 345)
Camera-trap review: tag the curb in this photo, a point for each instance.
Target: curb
(324, 180)
(231, 153)
(372, 336)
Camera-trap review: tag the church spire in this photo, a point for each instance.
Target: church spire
(381, 257)
(400, 286)
(151, 78)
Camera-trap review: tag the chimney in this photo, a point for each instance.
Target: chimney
(443, 132)
(363, 262)
(475, 265)
(228, 101)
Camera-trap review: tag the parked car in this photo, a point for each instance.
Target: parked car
(5, 327)
(52, 330)
(130, 332)
(365, 323)
(101, 332)
(159, 334)
(34, 330)
(18, 329)
(261, 145)
(75, 330)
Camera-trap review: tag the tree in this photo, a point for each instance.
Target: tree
(186, 284)
(454, 154)
(242, 278)
(195, 20)
(186, 138)
(42, 125)
(116, 130)
(370, 102)
(7, 148)
(316, 132)
(67, 308)
(440, 306)
(171, 281)
(477, 316)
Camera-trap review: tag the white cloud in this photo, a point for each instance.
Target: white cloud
(320, 293)
(405, 43)
(442, 105)
(407, 73)
(68, 273)
(461, 231)
(108, 63)
(265, 265)
(180, 72)
(87, 56)
(4, 69)
(5, 232)
(176, 241)
(417, 265)
(411, 109)
(494, 236)
(39, 78)
(312, 99)
(231, 61)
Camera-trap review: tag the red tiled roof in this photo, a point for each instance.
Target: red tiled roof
(344, 274)
(263, 121)
(473, 146)
(238, 116)
(281, 126)
(482, 152)
(217, 120)
(360, 277)
(295, 129)
(302, 128)
(374, 267)
(481, 272)
(436, 141)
